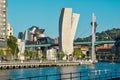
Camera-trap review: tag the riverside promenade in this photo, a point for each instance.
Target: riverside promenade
(36, 63)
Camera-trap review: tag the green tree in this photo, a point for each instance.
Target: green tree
(102, 56)
(99, 56)
(40, 55)
(78, 54)
(106, 56)
(12, 44)
(61, 55)
(1, 53)
(35, 55)
(112, 56)
(26, 54)
(31, 54)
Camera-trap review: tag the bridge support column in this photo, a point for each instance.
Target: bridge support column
(94, 25)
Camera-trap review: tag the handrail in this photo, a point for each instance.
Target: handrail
(88, 75)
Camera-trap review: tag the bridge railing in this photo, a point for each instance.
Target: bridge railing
(86, 75)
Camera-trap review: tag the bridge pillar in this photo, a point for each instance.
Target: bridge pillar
(94, 25)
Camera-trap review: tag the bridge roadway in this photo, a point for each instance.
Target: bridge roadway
(75, 43)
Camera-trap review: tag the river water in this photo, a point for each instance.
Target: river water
(101, 68)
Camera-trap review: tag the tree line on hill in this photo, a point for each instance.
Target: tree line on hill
(107, 35)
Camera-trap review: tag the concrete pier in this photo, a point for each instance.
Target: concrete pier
(35, 64)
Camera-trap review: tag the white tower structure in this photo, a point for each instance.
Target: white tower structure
(94, 25)
(3, 23)
(68, 22)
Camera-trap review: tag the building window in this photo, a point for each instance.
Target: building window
(4, 1)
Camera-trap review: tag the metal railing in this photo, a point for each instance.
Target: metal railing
(86, 75)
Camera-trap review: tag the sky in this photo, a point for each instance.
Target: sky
(22, 14)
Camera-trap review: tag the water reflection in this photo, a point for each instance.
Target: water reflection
(4, 74)
(22, 73)
(68, 69)
(68, 72)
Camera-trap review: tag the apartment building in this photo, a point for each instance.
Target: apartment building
(3, 23)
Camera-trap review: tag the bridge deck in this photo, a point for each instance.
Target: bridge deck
(75, 43)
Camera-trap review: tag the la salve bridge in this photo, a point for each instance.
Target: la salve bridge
(93, 42)
(75, 43)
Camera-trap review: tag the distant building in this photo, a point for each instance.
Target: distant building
(27, 35)
(83, 48)
(105, 49)
(3, 23)
(68, 22)
(35, 36)
(51, 54)
(9, 30)
(20, 35)
(21, 46)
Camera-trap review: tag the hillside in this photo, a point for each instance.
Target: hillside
(103, 36)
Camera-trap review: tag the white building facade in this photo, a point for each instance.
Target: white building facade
(3, 23)
(68, 22)
(21, 46)
(9, 30)
(51, 54)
